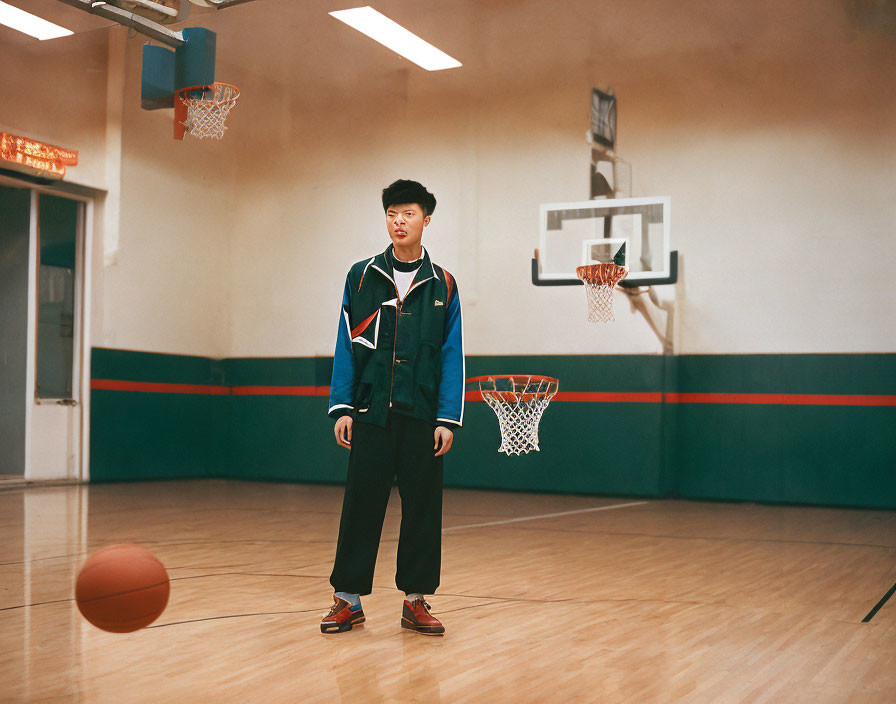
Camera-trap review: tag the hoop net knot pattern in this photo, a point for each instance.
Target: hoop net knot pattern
(600, 280)
(518, 401)
(207, 108)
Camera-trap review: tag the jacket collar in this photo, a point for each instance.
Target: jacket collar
(383, 263)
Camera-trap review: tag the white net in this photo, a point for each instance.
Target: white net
(207, 109)
(518, 402)
(600, 281)
(600, 302)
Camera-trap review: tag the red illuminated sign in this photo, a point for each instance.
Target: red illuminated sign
(46, 158)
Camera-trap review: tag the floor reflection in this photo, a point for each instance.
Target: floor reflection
(48, 525)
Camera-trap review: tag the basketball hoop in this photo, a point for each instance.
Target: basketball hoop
(519, 401)
(202, 110)
(600, 280)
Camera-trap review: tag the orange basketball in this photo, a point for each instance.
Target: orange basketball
(122, 588)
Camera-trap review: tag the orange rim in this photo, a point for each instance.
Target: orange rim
(515, 378)
(214, 85)
(546, 386)
(610, 274)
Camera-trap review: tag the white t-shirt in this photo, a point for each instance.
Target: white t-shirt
(403, 281)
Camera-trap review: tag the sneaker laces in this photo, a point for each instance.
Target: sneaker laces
(334, 609)
(422, 601)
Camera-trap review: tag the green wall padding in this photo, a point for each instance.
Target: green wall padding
(588, 448)
(828, 454)
(137, 435)
(832, 455)
(126, 365)
(788, 373)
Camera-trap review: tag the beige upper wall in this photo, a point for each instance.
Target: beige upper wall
(164, 288)
(55, 92)
(768, 123)
(168, 290)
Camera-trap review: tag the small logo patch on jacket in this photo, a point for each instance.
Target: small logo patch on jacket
(437, 303)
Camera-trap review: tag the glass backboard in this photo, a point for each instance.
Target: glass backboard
(632, 232)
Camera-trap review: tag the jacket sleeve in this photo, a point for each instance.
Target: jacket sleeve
(342, 384)
(450, 412)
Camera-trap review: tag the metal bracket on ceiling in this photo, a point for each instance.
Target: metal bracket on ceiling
(146, 26)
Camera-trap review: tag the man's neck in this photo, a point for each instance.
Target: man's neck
(407, 254)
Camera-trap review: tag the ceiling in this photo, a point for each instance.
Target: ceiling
(69, 17)
(295, 42)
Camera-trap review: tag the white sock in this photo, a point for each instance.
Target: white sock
(412, 597)
(352, 599)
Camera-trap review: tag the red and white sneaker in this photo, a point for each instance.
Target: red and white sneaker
(341, 618)
(415, 616)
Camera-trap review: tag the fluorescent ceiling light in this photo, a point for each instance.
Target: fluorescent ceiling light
(395, 37)
(30, 24)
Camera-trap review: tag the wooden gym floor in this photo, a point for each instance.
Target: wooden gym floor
(656, 601)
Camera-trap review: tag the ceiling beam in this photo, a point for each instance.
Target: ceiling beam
(151, 29)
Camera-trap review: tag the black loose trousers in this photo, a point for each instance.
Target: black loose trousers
(404, 448)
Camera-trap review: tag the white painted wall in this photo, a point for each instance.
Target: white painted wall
(168, 290)
(55, 92)
(310, 215)
(163, 286)
(788, 242)
(769, 126)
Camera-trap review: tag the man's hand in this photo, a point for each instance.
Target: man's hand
(343, 432)
(443, 438)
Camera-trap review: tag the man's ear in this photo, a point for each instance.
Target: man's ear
(426, 220)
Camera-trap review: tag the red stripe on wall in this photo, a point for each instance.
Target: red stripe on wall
(786, 399)
(281, 390)
(593, 396)
(609, 396)
(157, 388)
(562, 396)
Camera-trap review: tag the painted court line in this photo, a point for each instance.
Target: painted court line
(545, 515)
(880, 604)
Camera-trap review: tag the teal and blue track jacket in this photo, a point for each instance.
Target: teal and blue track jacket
(405, 355)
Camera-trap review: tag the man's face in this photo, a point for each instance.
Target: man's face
(405, 222)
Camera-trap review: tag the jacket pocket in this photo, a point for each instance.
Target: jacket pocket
(363, 392)
(428, 394)
(428, 372)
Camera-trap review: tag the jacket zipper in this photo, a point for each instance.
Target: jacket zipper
(399, 303)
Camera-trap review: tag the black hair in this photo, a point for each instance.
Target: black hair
(404, 191)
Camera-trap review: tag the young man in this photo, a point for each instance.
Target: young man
(397, 395)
